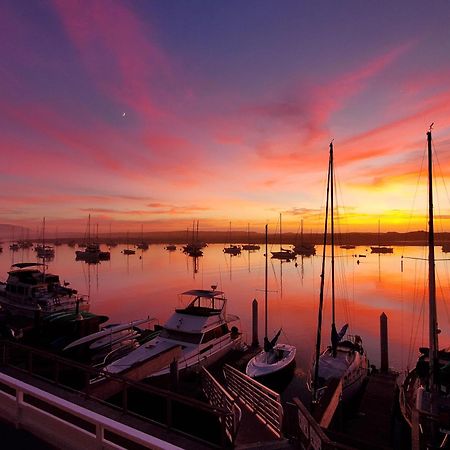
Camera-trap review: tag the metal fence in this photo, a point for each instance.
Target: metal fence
(219, 397)
(264, 402)
(162, 407)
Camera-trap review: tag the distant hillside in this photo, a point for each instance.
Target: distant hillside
(240, 237)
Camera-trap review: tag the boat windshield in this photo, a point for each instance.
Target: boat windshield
(182, 336)
(202, 302)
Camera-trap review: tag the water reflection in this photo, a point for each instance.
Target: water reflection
(127, 288)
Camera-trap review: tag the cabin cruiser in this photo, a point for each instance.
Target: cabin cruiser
(92, 253)
(202, 329)
(29, 291)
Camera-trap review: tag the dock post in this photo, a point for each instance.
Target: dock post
(255, 342)
(174, 375)
(384, 368)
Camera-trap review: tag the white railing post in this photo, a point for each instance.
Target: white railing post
(99, 434)
(19, 403)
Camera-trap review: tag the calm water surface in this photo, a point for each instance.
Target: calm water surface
(148, 283)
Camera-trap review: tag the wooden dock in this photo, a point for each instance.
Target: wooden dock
(372, 427)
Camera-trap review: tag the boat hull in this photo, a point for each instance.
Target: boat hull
(261, 365)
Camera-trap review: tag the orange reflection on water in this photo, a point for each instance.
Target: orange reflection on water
(148, 284)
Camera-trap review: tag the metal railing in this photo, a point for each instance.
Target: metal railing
(66, 424)
(168, 409)
(219, 397)
(264, 402)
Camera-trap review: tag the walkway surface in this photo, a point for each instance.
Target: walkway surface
(373, 426)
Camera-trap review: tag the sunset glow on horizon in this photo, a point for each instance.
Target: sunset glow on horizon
(156, 114)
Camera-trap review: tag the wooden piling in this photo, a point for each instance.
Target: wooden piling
(384, 368)
(174, 375)
(255, 341)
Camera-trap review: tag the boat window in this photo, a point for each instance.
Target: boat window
(176, 335)
(215, 333)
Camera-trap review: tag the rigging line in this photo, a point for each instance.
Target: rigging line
(408, 227)
(443, 300)
(441, 172)
(425, 259)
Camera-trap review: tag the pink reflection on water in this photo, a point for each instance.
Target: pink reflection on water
(148, 284)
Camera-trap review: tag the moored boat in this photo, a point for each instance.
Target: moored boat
(29, 291)
(275, 357)
(425, 392)
(343, 360)
(202, 329)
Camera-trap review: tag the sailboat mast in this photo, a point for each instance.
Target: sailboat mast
(265, 283)
(433, 329)
(89, 229)
(281, 246)
(322, 284)
(333, 310)
(43, 245)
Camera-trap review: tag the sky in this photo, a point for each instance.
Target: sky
(154, 113)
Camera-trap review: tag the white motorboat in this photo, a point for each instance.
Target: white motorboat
(109, 335)
(202, 329)
(29, 291)
(275, 357)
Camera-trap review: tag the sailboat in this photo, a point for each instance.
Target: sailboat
(92, 253)
(344, 360)
(249, 246)
(194, 248)
(426, 388)
(381, 248)
(275, 357)
(283, 253)
(232, 249)
(44, 251)
(128, 250)
(142, 245)
(304, 248)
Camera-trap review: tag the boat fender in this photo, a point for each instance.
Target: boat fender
(419, 398)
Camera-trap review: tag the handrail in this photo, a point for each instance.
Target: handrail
(9, 349)
(265, 403)
(83, 367)
(101, 423)
(218, 396)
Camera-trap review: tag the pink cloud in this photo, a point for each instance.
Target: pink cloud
(116, 50)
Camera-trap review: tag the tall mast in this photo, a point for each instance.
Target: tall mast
(43, 245)
(433, 329)
(322, 283)
(89, 229)
(280, 234)
(333, 310)
(265, 284)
